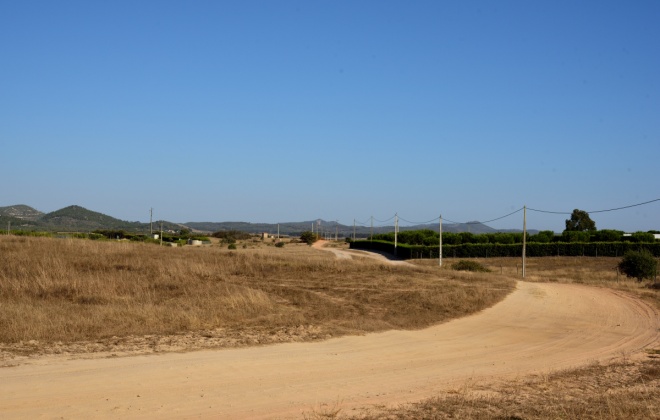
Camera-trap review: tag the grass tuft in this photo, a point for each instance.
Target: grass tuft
(465, 265)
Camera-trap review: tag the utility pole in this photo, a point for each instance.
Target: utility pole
(161, 233)
(278, 231)
(396, 230)
(440, 245)
(524, 239)
(151, 223)
(371, 238)
(353, 229)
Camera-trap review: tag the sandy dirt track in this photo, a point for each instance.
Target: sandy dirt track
(539, 327)
(347, 254)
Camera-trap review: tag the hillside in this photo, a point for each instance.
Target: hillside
(79, 219)
(19, 216)
(20, 212)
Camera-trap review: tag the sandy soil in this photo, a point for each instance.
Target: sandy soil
(538, 328)
(343, 254)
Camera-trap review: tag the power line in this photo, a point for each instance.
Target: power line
(485, 221)
(547, 211)
(596, 211)
(384, 221)
(624, 207)
(419, 223)
(506, 215)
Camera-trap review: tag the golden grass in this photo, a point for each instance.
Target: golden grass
(621, 390)
(66, 290)
(593, 271)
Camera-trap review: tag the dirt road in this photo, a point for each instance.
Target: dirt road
(347, 254)
(539, 327)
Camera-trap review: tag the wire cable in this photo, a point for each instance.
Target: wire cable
(419, 223)
(596, 211)
(506, 215)
(486, 221)
(624, 207)
(384, 221)
(547, 211)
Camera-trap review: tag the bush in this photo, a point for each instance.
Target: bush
(309, 237)
(279, 244)
(639, 264)
(231, 246)
(464, 265)
(234, 234)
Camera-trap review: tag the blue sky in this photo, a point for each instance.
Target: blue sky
(276, 111)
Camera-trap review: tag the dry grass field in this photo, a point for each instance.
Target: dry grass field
(620, 390)
(592, 271)
(57, 293)
(68, 296)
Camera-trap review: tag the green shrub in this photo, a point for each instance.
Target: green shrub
(231, 246)
(279, 244)
(464, 265)
(309, 237)
(639, 264)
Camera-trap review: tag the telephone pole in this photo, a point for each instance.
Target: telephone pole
(371, 238)
(151, 223)
(524, 239)
(396, 230)
(440, 244)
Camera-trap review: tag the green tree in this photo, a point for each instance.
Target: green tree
(575, 236)
(639, 264)
(642, 237)
(543, 236)
(609, 235)
(580, 222)
(309, 237)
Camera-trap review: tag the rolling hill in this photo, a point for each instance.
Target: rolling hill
(79, 219)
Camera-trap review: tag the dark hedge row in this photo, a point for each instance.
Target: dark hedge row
(534, 249)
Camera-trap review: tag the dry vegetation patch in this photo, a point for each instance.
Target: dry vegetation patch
(620, 390)
(593, 271)
(68, 295)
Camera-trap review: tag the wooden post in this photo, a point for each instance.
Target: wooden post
(524, 239)
(440, 244)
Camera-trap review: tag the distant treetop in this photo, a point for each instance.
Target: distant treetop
(580, 222)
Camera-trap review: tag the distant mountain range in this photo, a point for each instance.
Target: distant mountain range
(80, 219)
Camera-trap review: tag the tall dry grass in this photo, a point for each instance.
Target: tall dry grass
(593, 271)
(70, 290)
(622, 390)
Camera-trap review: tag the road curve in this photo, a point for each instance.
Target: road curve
(538, 327)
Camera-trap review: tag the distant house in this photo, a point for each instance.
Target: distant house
(265, 235)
